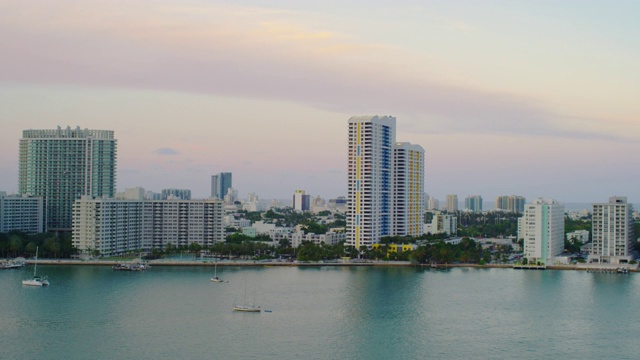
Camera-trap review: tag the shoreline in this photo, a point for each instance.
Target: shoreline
(251, 263)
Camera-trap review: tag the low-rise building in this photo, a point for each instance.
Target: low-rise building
(578, 235)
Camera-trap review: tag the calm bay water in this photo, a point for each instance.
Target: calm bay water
(319, 313)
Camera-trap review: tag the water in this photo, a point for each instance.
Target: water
(319, 313)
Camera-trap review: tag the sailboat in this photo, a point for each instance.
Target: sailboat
(215, 277)
(37, 280)
(247, 307)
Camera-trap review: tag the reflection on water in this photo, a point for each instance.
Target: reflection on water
(176, 312)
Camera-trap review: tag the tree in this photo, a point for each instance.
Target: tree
(31, 248)
(51, 246)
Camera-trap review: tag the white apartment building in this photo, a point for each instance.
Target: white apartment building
(330, 238)
(443, 223)
(22, 213)
(579, 235)
(611, 231)
(385, 182)
(542, 228)
(370, 177)
(408, 193)
(115, 227)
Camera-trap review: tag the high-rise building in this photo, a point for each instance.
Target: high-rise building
(173, 194)
(542, 228)
(452, 202)
(301, 201)
(473, 203)
(220, 184)
(64, 164)
(370, 177)
(117, 226)
(510, 203)
(612, 231)
(385, 182)
(434, 204)
(408, 189)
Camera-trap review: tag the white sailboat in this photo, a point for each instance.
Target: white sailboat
(247, 307)
(215, 277)
(37, 280)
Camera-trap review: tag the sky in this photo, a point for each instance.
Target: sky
(532, 98)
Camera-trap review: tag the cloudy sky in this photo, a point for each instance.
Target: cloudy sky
(534, 98)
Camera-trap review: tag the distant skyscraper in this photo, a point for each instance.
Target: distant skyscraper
(301, 201)
(612, 231)
(511, 203)
(220, 185)
(385, 182)
(176, 194)
(542, 228)
(473, 203)
(434, 204)
(408, 189)
(452, 202)
(64, 164)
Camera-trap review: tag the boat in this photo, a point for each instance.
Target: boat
(215, 277)
(37, 280)
(129, 267)
(11, 264)
(251, 307)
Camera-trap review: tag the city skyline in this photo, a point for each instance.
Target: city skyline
(506, 98)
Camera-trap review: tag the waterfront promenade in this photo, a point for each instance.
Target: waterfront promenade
(362, 263)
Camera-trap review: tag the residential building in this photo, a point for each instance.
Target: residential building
(408, 189)
(612, 231)
(22, 213)
(220, 184)
(385, 182)
(434, 204)
(578, 235)
(370, 177)
(301, 201)
(510, 203)
(452, 202)
(542, 228)
(117, 226)
(330, 238)
(442, 223)
(473, 203)
(62, 165)
(176, 194)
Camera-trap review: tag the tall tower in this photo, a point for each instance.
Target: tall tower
(612, 231)
(473, 203)
(370, 177)
(452, 202)
(542, 228)
(220, 184)
(408, 189)
(301, 201)
(64, 164)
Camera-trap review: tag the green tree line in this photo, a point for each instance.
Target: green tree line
(50, 245)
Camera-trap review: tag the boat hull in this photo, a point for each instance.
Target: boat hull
(246, 308)
(35, 282)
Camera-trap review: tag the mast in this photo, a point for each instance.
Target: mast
(35, 265)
